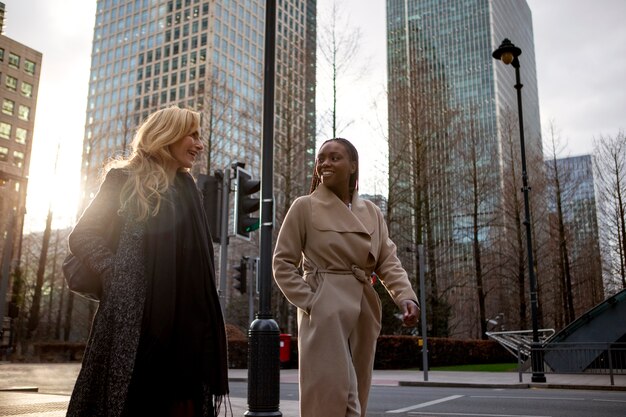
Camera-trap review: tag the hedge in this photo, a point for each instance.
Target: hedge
(393, 352)
(403, 352)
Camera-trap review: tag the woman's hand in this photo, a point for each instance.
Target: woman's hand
(411, 313)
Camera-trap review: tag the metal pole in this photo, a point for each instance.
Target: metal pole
(224, 239)
(536, 353)
(251, 265)
(420, 251)
(264, 335)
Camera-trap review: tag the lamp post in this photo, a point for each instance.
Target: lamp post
(509, 53)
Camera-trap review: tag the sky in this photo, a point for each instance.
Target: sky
(580, 48)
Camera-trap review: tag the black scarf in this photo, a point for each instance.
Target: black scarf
(181, 223)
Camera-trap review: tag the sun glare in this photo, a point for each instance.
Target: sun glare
(46, 190)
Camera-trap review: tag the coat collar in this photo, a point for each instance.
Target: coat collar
(330, 213)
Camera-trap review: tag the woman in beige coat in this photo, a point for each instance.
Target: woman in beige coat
(338, 240)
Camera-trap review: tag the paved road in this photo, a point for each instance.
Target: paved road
(391, 401)
(490, 402)
(402, 393)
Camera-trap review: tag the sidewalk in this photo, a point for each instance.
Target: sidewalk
(43, 389)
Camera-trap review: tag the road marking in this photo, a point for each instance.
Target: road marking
(608, 401)
(479, 415)
(426, 404)
(528, 398)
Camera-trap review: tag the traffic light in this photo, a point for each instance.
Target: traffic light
(240, 277)
(211, 188)
(245, 186)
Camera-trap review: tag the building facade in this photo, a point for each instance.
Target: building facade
(20, 68)
(206, 55)
(454, 146)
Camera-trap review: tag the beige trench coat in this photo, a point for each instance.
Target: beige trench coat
(339, 313)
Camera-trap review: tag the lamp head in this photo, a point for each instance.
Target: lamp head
(506, 52)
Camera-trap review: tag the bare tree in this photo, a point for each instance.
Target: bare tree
(512, 240)
(220, 119)
(564, 263)
(610, 158)
(35, 307)
(126, 125)
(339, 45)
(419, 150)
(292, 140)
(478, 191)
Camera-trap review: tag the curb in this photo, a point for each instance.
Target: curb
(581, 387)
(511, 386)
(460, 385)
(20, 389)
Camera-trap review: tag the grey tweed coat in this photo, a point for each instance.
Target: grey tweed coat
(103, 381)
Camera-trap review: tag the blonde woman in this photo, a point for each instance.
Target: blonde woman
(157, 345)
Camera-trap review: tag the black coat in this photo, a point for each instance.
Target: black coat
(104, 378)
(103, 382)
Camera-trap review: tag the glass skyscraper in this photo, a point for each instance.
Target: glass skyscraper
(206, 55)
(453, 144)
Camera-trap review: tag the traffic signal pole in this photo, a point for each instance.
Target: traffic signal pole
(264, 335)
(224, 239)
(252, 266)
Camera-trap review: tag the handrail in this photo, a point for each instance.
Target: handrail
(519, 341)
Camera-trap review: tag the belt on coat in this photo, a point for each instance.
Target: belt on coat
(355, 271)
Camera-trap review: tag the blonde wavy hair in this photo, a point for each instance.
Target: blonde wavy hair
(147, 165)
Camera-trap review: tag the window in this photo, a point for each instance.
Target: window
(5, 130)
(10, 83)
(1, 54)
(4, 154)
(14, 60)
(27, 89)
(18, 158)
(29, 67)
(21, 135)
(24, 112)
(8, 106)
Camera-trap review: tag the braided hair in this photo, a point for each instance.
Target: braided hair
(354, 157)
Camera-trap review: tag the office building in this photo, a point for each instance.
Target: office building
(20, 67)
(208, 56)
(453, 145)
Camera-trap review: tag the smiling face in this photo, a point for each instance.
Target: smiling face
(185, 150)
(334, 168)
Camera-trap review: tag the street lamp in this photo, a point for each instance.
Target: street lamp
(508, 53)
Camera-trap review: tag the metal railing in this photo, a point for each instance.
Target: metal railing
(578, 358)
(518, 342)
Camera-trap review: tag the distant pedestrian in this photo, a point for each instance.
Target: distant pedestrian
(158, 344)
(338, 240)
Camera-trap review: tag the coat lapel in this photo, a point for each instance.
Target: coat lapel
(330, 213)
